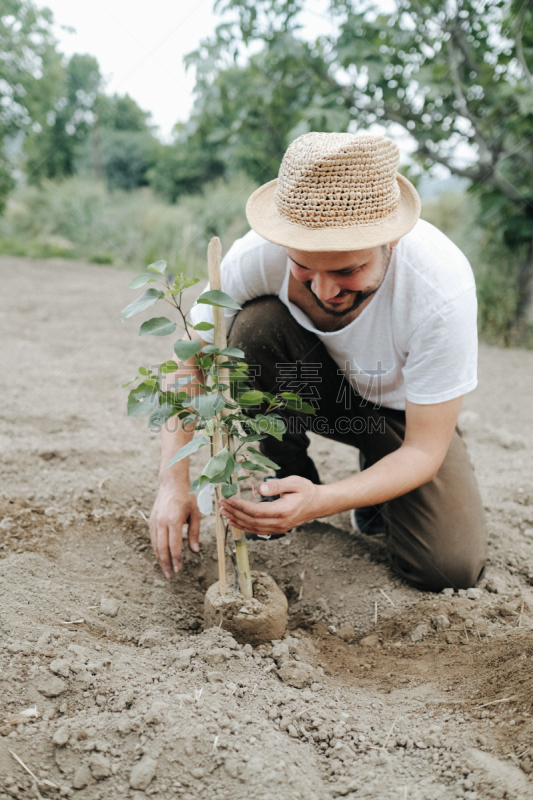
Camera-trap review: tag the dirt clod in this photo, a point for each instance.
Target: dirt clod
(255, 621)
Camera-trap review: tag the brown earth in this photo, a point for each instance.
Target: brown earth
(377, 691)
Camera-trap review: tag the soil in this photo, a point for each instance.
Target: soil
(110, 687)
(259, 620)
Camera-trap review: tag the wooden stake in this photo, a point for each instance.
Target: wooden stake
(214, 253)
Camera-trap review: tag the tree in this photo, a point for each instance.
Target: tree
(121, 113)
(53, 147)
(30, 68)
(452, 74)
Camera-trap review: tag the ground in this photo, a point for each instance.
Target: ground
(421, 696)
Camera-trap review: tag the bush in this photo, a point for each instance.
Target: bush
(495, 267)
(82, 219)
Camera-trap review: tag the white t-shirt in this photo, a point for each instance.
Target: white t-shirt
(415, 340)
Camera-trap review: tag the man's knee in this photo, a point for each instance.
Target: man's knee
(440, 567)
(259, 324)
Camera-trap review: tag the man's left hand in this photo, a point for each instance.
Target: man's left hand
(299, 503)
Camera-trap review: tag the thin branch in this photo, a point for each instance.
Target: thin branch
(519, 49)
(461, 100)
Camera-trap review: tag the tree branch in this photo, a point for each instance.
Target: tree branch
(519, 49)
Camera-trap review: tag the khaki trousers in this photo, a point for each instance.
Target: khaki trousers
(436, 534)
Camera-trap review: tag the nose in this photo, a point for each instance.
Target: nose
(324, 286)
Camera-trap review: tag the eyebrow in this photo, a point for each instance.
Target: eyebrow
(342, 269)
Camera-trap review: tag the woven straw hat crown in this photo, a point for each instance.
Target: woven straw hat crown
(338, 179)
(336, 191)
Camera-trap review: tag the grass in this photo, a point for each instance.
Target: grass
(81, 219)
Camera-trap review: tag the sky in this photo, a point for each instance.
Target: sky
(140, 47)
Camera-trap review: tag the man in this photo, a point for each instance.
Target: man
(340, 280)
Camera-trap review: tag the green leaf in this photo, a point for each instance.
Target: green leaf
(141, 280)
(147, 299)
(158, 266)
(211, 349)
(144, 371)
(300, 405)
(157, 326)
(218, 464)
(259, 458)
(270, 424)
(232, 351)
(142, 402)
(159, 417)
(128, 382)
(168, 367)
(229, 490)
(251, 398)
(188, 449)
(208, 405)
(204, 326)
(251, 465)
(186, 348)
(182, 382)
(215, 297)
(253, 437)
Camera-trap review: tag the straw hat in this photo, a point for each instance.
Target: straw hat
(335, 191)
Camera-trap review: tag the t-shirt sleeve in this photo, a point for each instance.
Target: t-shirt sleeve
(251, 268)
(441, 362)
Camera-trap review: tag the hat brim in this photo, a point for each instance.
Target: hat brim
(265, 220)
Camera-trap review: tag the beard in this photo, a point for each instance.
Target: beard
(358, 298)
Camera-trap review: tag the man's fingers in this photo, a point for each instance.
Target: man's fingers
(281, 485)
(175, 547)
(194, 531)
(163, 552)
(247, 523)
(277, 508)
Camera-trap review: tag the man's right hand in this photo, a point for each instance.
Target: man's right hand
(172, 510)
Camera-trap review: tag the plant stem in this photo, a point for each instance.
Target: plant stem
(214, 252)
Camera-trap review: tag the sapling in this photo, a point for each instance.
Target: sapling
(217, 408)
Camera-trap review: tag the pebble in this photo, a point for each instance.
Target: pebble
(100, 766)
(109, 606)
(280, 653)
(156, 713)
(448, 592)
(509, 609)
(474, 594)
(60, 667)
(50, 685)
(296, 673)
(61, 736)
(441, 622)
(495, 585)
(419, 632)
(82, 777)
(183, 659)
(151, 638)
(370, 641)
(143, 773)
(215, 677)
(346, 632)
(216, 656)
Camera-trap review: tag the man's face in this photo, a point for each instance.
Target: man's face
(341, 282)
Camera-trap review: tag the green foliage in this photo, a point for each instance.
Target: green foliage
(81, 219)
(454, 76)
(29, 70)
(212, 407)
(53, 146)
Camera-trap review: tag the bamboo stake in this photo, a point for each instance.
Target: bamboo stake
(214, 253)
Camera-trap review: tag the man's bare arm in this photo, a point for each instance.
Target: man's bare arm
(174, 507)
(429, 430)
